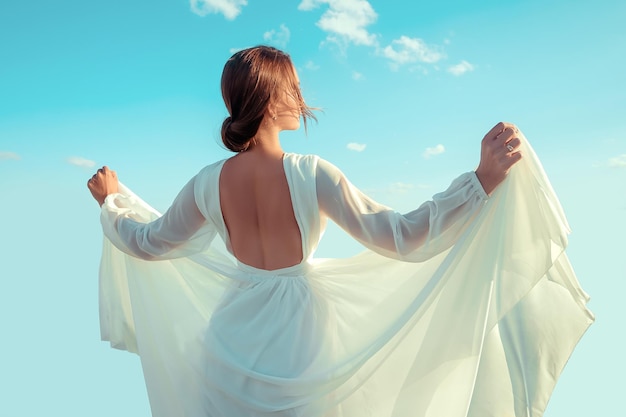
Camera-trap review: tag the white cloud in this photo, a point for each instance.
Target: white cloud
(80, 162)
(400, 187)
(618, 161)
(357, 147)
(434, 151)
(357, 76)
(229, 8)
(235, 50)
(345, 20)
(278, 38)
(311, 66)
(461, 68)
(8, 155)
(406, 50)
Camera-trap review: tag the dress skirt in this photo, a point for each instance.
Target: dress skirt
(481, 329)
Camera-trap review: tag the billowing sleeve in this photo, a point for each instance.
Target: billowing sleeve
(415, 236)
(136, 229)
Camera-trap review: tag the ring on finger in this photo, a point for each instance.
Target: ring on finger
(509, 147)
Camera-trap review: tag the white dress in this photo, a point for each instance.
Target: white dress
(466, 306)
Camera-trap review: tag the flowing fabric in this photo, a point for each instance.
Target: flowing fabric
(467, 306)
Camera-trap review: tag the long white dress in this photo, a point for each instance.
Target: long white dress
(466, 306)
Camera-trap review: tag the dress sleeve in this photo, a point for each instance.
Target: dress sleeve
(138, 230)
(415, 236)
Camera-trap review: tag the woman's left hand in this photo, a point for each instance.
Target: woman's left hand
(103, 183)
(499, 152)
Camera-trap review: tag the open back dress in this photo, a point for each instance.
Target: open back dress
(466, 306)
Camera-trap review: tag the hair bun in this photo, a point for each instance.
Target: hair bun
(233, 138)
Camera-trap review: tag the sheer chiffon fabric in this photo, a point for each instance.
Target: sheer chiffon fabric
(467, 306)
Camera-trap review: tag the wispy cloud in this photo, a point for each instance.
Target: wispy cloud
(229, 8)
(357, 147)
(8, 155)
(346, 21)
(434, 151)
(311, 66)
(460, 68)
(80, 162)
(404, 187)
(278, 37)
(235, 50)
(618, 161)
(406, 50)
(357, 76)
(400, 187)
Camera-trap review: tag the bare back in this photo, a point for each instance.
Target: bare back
(256, 205)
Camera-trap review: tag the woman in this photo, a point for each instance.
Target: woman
(268, 330)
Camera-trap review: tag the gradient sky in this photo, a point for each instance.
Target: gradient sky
(407, 88)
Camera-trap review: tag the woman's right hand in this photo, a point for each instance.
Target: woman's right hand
(103, 183)
(499, 152)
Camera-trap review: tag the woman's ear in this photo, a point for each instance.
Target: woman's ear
(271, 111)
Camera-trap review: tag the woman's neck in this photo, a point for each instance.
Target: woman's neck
(266, 142)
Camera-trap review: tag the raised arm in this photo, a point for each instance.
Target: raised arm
(415, 236)
(142, 234)
(432, 227)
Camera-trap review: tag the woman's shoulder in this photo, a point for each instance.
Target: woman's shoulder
(207, 175)
(211, 168)
(300, 158)
(315, 166)
(310, 159)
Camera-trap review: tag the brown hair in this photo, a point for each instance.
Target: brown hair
(251, 79)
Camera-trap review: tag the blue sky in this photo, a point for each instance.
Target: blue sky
(407, 88)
